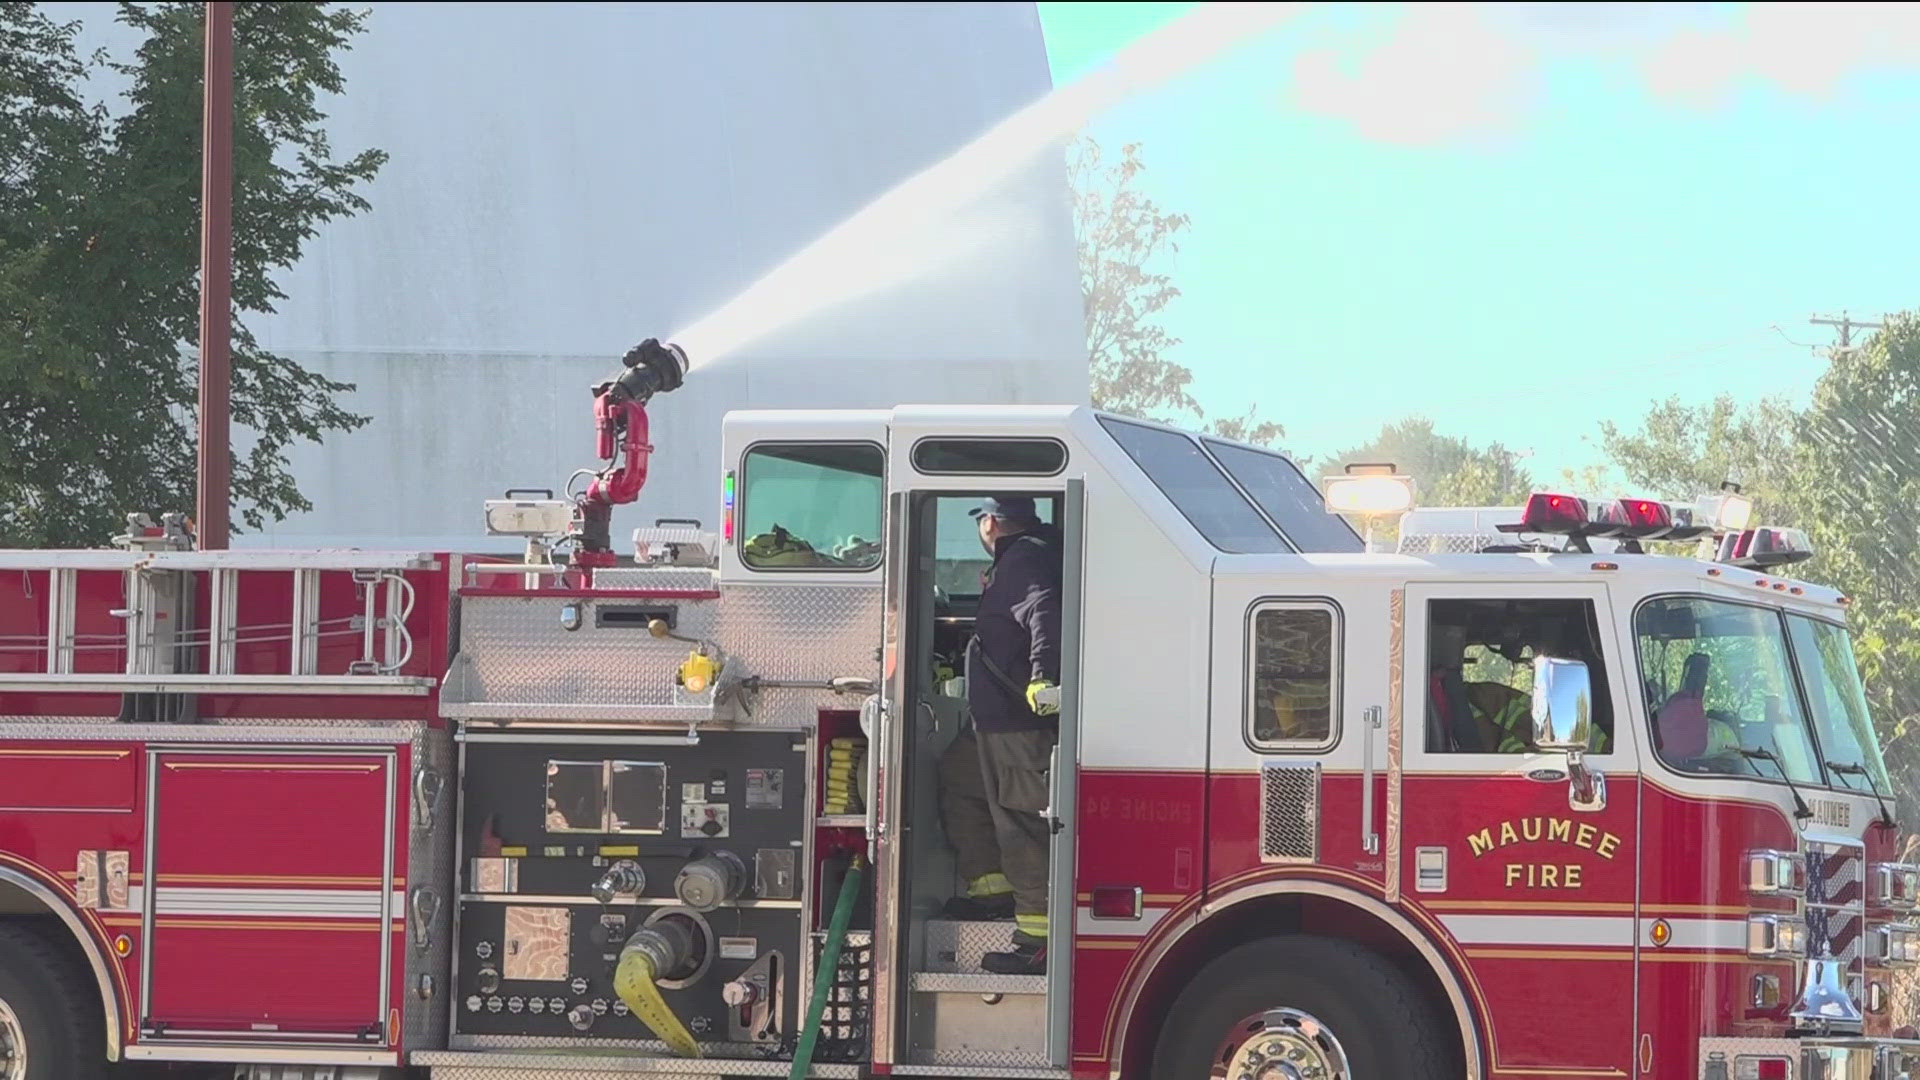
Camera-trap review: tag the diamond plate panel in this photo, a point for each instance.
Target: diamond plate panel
(1289, 812)
(231, 730)
(515, 649)
(801, 633)
(517, 659)
(955, 947)
(658, 578)
(506, 1065)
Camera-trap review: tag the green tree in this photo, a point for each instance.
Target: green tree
(1248, 427)
(1858, 481)
(99, 259)
(1847, 470)
(1121, 234)
(1446, 470)
(1684, 451)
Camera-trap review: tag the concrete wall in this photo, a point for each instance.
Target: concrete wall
(567, 179)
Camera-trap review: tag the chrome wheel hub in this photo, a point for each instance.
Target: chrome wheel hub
(13, 1045)
(1280, 1044)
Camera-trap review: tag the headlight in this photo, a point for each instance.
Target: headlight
(1775, 936)
(1896, 943)
(1776, 873)
(1897, 886)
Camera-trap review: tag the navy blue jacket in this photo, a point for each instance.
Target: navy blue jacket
(1016, 633)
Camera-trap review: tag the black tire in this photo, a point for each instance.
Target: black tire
(55, 1007)
(1384, 1023)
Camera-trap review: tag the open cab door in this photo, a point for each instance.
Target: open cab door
(936, 1007)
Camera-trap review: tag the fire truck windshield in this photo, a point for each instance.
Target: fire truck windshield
(1720, 685)
(1839, 703)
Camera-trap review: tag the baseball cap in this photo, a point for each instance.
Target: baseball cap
(1008, 507)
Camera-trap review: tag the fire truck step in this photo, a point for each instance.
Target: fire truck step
(955, 947)
(941, 982)
(574, 1063)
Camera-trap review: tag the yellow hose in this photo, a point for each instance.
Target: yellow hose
(633, 981)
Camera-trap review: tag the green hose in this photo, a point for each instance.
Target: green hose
(829, 963)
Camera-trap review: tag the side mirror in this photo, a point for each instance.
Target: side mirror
(1562, 705)
(1563, 721)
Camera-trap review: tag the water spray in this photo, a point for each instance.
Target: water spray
(891, 240)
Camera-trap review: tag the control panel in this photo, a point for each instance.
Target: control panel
(572, 849)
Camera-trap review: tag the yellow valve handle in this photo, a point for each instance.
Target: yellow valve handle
(698, 672)
(633, 981)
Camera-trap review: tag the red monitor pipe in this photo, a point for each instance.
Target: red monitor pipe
(620, 425)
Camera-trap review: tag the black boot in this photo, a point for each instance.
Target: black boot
(980, 908)
(1029, 957)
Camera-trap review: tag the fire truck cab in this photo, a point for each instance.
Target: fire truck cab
(1517, 799)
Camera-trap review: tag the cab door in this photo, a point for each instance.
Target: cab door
(936, 1010)
(1535, 888)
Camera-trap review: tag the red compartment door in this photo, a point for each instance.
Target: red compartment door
(271, 896)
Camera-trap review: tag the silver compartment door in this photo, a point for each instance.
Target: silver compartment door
(884, 805)
(1066, 782)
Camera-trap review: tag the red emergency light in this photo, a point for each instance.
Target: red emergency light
(1555, 514)
(1633, 520)
(1760, 549)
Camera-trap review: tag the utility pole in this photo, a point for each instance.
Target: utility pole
(1847, 325)
(215, 478)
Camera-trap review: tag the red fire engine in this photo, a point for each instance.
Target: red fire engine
(1519, 799)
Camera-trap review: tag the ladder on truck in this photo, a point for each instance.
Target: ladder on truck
(164, 643)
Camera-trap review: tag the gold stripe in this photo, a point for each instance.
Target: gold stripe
(1109, 944)
(1525, 905)
(114, 754)
(1661, 956)
(1550, 954)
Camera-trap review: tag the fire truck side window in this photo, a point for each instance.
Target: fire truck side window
(1480, 671)
(1196, 487)
(1295, 658)
(812, 506)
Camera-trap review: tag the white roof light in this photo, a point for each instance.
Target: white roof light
(1725, 512)
(1369, 494)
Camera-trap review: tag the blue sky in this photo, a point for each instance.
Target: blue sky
(1520, 221)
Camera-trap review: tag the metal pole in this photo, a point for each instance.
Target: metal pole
(216, 280)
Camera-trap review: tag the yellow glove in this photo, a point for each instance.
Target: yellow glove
(1043, 697)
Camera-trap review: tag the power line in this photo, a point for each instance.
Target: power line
(1846, 324)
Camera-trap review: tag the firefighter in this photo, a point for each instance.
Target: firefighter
(1012, 663)
(1474, 717)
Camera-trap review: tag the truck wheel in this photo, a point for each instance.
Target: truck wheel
(1302, 1008)
(50, 1024)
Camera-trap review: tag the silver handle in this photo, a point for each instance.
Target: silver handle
(1369, 840)
(426, 906)
(427, 783)
(876, 761)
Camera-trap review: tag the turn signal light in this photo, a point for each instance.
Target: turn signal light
(1116, 902)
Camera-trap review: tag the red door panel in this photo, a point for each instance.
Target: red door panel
(271, 873)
